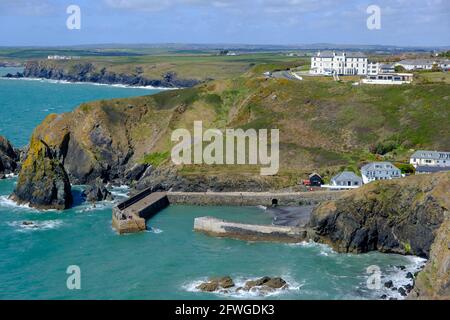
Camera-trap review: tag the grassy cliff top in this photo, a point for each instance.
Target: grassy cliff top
(324, 126)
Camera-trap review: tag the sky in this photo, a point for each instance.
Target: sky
(276, 22)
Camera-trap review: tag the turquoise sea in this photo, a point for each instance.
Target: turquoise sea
(169, 260)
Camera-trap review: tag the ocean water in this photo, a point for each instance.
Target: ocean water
(25, 103)
(170, 259)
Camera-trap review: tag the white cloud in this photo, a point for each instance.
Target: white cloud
(26, 7)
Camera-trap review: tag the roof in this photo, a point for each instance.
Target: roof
(435, 155)
(426, 169)
(315, 174)
(346, 175)
(330, 54)
(371, 166)
(417, 62)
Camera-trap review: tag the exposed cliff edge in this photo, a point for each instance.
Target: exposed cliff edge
(43, 183)
(406, 216)
(9, 158)
(88, 72)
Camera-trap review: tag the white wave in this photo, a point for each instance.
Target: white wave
(35, 225)
(5, 202)
(97, 206)
(255, 292)
(324, 249)
(92, 83)
(120, 191)
(11, 176)
(398, 277)
(154, 230)
(262, 207)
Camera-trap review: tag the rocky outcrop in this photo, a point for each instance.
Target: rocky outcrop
(97, 192)
(263, 286)
(215, 284)
(89, 72)
(406, 216)
(9, 158)
(434, 281)
(43, 183)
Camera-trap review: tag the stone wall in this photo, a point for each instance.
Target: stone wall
(252, 198)
(249, 232)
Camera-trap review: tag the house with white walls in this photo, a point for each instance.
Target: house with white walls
(379, 171)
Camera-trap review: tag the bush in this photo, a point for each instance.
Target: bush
(155, 159)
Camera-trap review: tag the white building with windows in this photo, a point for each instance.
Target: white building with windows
(430, 159)
(329, 63)
(380, 171)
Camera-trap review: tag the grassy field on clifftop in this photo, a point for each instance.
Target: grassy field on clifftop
(324, 126)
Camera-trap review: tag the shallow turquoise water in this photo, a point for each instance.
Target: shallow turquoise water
(25, 103)
(165, 263)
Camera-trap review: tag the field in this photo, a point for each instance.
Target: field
(153, 63)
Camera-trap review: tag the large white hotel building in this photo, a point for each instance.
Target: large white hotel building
(329, 63)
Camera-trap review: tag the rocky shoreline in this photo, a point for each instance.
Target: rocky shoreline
(407, 216)
(88, 72)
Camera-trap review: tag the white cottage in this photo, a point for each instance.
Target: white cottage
(379, 171)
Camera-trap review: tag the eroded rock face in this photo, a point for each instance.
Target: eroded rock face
(43, 183)
(399, 216)
(8, 157)
(434, 281)
(407, 216)
(97, 192)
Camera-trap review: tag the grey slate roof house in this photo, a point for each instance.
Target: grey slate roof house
(346, 179)
(379, 171)
(430, 158)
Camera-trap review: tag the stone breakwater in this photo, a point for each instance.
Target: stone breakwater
(130, 216)
(249, 232)
(266, 199)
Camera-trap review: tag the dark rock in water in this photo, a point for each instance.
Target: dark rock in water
(401, 267)
(208, 286)
(266, 283)
(215, 284)
(394, 288)
(384, 297)
(256, 283)
(276, 283)
(224, 282)
(408, 287)
(28, 223)
(43, 182)
(97, 192)
(402, 291)
(389, 284)
(9, 158)
(409, 275)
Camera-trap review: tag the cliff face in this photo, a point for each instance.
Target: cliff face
(434, 281)
(43, 182)
(89, 72)
(129, 140)
(406, 216)
(9, 157)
